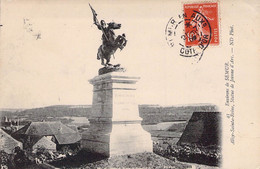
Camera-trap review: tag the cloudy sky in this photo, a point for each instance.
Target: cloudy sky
(48, 54)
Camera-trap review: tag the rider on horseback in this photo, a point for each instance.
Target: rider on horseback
(110, 42)
(108, 33)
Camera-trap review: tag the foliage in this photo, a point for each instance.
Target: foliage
(190, 153)
(4, 158)
(70, 150)
(20, 157)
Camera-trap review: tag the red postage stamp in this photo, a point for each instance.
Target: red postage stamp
(201, 24)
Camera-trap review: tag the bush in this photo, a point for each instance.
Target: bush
(190, 153)
(20, 157)
(4, 158)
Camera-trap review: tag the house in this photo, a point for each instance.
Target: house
(61, 134)
(46, 143)
(8, 143)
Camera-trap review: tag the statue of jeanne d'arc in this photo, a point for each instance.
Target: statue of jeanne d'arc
(110, 42)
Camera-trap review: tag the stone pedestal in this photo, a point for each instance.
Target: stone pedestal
(115, 125)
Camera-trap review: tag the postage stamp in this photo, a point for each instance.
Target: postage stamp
(194, 30)
(196, 22)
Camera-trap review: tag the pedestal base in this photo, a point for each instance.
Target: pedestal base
(129, 139)
(125, 138)
(115, 125)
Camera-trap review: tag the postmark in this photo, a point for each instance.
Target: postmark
(191, 32)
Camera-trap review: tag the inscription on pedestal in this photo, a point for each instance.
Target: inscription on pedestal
(115, 124)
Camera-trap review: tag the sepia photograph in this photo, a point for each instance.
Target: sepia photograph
(129, 84)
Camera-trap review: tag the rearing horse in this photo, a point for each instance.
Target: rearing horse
(110, 44)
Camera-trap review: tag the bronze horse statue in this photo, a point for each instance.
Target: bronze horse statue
(110, 42)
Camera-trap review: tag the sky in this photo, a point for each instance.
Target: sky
(48, 54)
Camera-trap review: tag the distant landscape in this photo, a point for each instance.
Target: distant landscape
(151, 114)
(49, 113)
(162, 122)
(166, 124)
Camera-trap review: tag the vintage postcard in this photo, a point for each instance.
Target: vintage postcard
(129, 84)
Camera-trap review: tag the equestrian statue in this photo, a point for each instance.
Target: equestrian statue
(110, 42)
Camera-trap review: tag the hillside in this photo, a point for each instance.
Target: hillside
(156, 114)
(151, 114)
(51, 111)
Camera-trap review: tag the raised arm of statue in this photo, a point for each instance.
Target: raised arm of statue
(110, 42)
(99, 27)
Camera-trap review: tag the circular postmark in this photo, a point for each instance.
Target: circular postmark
(189, 33)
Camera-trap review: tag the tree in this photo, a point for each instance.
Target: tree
(20, 158)
(3, 158)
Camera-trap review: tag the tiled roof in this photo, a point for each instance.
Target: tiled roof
(45, 128)
(62, 133)
(68, 138)
(8, 143)
(45, 142)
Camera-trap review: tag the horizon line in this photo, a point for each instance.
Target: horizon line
(89, 105)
